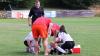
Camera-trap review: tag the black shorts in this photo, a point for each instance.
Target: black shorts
(68, 45)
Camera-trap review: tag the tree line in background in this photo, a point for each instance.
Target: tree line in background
(67, 4)
(72, 4)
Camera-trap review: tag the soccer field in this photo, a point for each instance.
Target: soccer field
(84, 30)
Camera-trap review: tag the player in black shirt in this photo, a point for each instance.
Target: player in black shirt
(35, 12)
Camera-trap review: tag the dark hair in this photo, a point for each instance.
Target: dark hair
(62, 29)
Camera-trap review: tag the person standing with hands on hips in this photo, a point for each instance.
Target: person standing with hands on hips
(35, 12)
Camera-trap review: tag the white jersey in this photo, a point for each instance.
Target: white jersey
(64, 37)
(29, 37)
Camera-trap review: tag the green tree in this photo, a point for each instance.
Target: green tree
(68, 4)
(15, 3)
(78, 4)
(53, 3)
(71, 4)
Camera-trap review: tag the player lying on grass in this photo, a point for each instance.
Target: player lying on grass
(67, 42)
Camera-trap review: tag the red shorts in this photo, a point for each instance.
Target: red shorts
(39, 30)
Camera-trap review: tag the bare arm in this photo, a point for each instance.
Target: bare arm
(29, 17)
(49, 29)
(29, 21)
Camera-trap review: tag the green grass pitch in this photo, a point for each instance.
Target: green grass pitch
(84, 30)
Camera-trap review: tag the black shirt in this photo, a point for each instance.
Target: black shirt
(35, 13)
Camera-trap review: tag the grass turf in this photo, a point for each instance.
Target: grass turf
(84, 30)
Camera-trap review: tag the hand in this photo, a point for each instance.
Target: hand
(53, 44)
(30, 25)
(57, 40)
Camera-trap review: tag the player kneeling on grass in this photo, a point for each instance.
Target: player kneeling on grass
(29, 43)
(67, 42)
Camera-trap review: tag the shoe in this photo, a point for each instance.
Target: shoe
(69, 52)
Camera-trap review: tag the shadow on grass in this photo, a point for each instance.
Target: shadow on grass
(23, 53)
(20, 53)
(41, 53)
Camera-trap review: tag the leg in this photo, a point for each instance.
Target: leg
(45, 44)
(39, 42)
(36, 46)
(68, 45)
